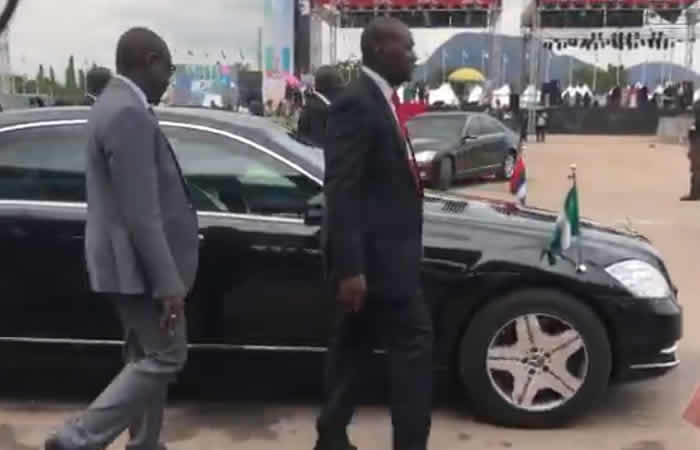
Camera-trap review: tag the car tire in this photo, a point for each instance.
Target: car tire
(508, 165)
(486, 360)
(445, 174)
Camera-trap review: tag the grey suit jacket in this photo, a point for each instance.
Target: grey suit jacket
(141, 234)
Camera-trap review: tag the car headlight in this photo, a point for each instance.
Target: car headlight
(640, 278)
(426, 156)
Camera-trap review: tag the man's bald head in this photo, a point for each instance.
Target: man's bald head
(134, 45)
(377, 33)
(144, 58)
(387, 48)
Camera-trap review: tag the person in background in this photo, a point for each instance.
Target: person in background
(694, 157)
(141, 248)
(541, 126)
(372, 246)
(96, 80)
(256, 108)
(314, 115)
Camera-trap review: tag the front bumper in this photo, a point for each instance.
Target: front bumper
(646, 337)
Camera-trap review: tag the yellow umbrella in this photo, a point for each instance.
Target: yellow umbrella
(466, 74)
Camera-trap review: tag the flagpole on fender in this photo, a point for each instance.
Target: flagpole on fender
(580, 266)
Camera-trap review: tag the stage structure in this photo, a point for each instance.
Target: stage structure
(600, 24)
(416, 14)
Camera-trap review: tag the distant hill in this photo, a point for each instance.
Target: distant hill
(656, 71)
(475, 45)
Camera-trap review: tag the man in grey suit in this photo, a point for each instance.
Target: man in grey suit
(141, 247)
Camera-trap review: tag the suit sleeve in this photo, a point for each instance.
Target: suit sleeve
(130, 146)
(304, 125)
(346, 154)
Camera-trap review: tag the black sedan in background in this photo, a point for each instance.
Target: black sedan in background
(531, 344)
(454, 146)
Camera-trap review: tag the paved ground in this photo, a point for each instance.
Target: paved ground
(620, 179)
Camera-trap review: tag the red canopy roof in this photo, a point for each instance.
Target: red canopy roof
(403, 4)
(642, 4)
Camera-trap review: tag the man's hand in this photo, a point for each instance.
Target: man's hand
(352, 293)
(173, 310)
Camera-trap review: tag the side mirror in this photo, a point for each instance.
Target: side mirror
(313, 214)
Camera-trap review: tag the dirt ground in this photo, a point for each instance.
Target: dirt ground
(621, 179)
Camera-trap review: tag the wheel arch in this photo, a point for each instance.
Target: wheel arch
(463, 312)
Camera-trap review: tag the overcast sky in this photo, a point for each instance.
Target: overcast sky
(49, 31)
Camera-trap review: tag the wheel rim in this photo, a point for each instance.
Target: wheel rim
(509, 166)
(537, 362)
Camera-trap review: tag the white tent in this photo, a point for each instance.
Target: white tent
(476, 94)
(443, 94)
(530, 96)
(501, 94)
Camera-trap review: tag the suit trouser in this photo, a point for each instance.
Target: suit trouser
(136, 397)
(404, 328)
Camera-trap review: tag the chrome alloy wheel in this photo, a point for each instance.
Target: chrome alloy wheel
(509, 166)
(537, 362)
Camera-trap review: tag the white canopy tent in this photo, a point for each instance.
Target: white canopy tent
(443, 94)
(502, 95)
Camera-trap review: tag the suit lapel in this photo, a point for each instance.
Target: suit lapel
(379, 98)
(402, 140)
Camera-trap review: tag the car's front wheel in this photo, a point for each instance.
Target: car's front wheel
(446, 174)
(534, 358)
(507, 168)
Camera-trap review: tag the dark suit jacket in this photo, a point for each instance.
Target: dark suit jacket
(312, 121)
(374, 214)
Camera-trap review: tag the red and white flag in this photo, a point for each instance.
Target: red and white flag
(518, 182)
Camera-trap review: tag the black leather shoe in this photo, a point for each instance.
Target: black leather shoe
(334, 446)
(53, 443)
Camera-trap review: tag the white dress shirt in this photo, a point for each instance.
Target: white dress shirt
(134, 87)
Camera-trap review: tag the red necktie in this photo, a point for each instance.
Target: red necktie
(404, 133)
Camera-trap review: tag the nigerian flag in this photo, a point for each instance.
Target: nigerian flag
(567, 224)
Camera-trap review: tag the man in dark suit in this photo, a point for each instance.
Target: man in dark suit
(314, 115)
(373, 246)
(141, 247)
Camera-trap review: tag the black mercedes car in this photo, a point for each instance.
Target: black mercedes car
(457, 145)
(532, 343)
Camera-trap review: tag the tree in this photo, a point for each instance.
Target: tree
(52, 77)
(40, 79)
(30, 86)
(18, 83)
(81, 79)
(605, 79)
(70, 74)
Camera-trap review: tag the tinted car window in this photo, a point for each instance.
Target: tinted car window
(226, 175)
(43, 163)
(442, 127)
(490, 126)
(475, 126)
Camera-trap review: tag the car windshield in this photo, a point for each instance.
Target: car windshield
(442, 127)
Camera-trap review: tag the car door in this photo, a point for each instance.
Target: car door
(259, 282)
(473, 150)
(493, 137)
(43, 278)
